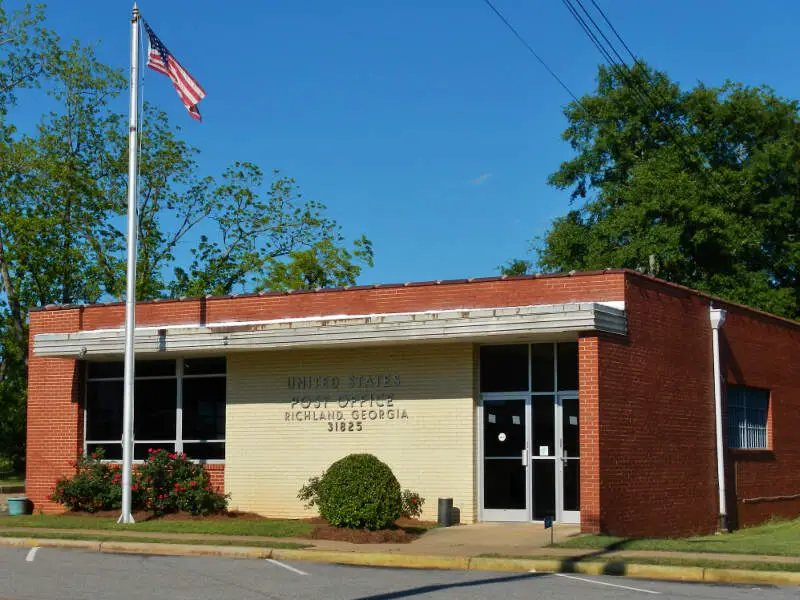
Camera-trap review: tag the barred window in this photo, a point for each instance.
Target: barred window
(178, 406)
(747, 417)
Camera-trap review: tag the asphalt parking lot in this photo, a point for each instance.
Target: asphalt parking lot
(51, 574)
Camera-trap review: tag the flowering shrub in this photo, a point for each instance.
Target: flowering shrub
(411, 504)
(94, 486)
(165, 483)
(170, 483)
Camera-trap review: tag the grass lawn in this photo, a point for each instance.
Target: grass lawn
(265, 528)
(777, 538)
(100, 537)
(706, 563)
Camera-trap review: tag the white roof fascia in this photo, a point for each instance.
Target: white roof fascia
(375, 329)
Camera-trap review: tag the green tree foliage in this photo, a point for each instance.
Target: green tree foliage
(699, 187)
(63, 201)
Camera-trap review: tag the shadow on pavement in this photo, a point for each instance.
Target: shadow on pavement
(426, 589)
(568, 565)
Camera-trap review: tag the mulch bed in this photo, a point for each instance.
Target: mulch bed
(403, 532)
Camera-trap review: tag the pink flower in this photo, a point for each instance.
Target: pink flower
(135, 487)
(172, 456)
(193, 484)
(149, 450)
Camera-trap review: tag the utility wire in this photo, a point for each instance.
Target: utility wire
(589, 33)
(619, 63)
(642, 91)
(602, 33)
(619, 37)
(533, 52)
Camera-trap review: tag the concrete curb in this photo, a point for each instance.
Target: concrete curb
(421, 561)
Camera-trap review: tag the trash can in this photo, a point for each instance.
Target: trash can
(18, 507)
(445, 512)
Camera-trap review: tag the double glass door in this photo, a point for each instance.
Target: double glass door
(531, 458)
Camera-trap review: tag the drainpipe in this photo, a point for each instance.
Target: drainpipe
(717, 316)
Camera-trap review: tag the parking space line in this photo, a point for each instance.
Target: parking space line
(624, 587)
(31, 554)
(287, 567)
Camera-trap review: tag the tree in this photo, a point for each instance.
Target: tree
(22, 62)
(700, 187)
(63, 201)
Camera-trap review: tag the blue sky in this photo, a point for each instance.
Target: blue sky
(422, 123)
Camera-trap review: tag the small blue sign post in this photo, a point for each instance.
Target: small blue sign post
(548, 524)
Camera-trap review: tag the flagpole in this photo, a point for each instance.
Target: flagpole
(130, 298)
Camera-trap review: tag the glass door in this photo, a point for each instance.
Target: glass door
(505, 459)
(543, 457)
(568, 477)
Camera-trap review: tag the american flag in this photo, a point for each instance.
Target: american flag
(160, 59)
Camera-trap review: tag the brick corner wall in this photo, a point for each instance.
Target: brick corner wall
(588, 398)
(54, 411)
(657, 445)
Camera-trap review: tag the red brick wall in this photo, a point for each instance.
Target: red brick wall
(217, 473)
(657, 447)
(54, 431)
(589, 399)
(366, 300)
(760, 352)
(657, 462)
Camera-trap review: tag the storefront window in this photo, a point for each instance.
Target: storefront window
(504, 368)
(178, 406)
(537, 368)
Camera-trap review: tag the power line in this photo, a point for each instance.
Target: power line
(589, 33)
(533, 52)
(636, 85)
(607, 48)
(619, 37)
(621, 67)
(597, 27)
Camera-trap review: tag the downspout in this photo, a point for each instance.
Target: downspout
(717, 316)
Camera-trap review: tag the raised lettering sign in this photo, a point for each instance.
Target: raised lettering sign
(344, 404)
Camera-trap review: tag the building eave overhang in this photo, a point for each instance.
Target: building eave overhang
(325, 331)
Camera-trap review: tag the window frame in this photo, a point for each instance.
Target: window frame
(178, 442)
(746, 426)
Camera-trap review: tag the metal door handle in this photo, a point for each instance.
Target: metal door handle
(524, 457)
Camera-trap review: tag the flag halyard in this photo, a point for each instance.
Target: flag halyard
(163, 61)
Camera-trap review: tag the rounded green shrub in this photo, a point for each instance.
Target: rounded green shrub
(359, 491)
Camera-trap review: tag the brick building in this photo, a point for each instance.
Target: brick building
(588, 397)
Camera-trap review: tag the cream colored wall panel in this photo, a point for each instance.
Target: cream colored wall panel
(273, 443)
